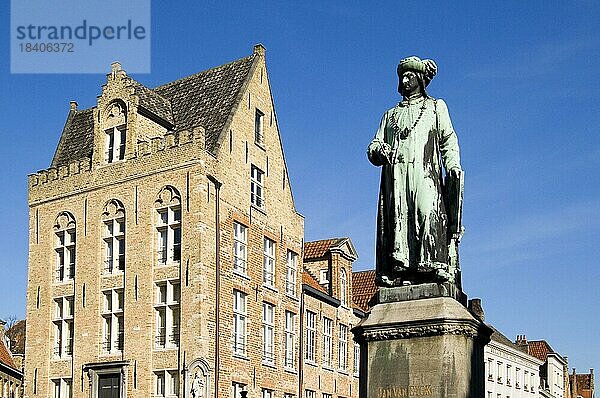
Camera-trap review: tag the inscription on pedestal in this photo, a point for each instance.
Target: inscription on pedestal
(410, 391)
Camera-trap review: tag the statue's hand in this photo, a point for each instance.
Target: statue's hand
(455, 172)
(385, 151)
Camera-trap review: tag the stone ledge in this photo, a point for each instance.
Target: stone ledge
(421, 291)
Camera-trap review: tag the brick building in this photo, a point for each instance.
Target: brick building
(582, 385)
(11, 375)
(166, 251)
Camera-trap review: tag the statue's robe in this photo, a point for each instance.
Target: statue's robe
(412, 220)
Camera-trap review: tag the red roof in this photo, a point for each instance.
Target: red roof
(5, 357)
(318, 248)
(363, 288)
(307, 279)
(539, 349)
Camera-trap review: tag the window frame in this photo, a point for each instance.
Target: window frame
(239, 324)
(291, 274)
(168, 229)
(114, 153)
(327, 342)
(259, 123)
(311, 337)
(289, 342)
(257, 188)
(65, 247)
(113, 321)
(268, 333)
(240, 248)
(63, 325)
(342, 347)
(269, 255)
(167, 314)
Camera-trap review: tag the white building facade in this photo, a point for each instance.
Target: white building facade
(510, 373)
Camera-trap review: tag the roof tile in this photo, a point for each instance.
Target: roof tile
(318, 248)
(5, 357)
(363, 288)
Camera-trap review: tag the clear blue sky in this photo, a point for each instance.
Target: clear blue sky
(520, 80)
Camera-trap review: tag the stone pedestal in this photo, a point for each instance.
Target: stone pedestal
(419, 341)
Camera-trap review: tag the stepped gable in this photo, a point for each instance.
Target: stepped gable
(206, 99)
(363, 288)
(317, 249)
(77, 138)
(5, 357)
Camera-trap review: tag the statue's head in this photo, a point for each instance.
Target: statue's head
(414, 76)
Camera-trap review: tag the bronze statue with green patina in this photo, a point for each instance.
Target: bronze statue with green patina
(419, 211)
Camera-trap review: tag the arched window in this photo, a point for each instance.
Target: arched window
(115, 131)
(64, 246)
(343, 286)
(168, 225)
(113, 235)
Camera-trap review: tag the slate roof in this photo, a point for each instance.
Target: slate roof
(539, 349)
(309, 280)
(363, 288)
(77, 139)
(205, 99)
(317, 249)
(5, 357)
(498, 337)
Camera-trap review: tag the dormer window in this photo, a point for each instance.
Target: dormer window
(115, 144)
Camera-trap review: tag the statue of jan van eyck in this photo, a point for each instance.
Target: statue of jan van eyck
(419, 212)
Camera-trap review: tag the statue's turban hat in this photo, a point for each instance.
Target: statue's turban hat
(426, 66)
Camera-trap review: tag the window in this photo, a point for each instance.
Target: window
(64, 229)
(168, 297)
(525, 380)
(113, 234)
(63, 327)
(112, 319)
(240, 240)
(327, 335)
(343, 287)
(115, 144)
(518, 378)
(63, 388)
(311, 334)
(508, 375)
(324, 278)
(288, 395)
(266, 393)
(268, 331)
(168, 226)
(356, 359)
(309, 394)
(256, 187)
(325, 395)
(490, 365)
(343, 347)
(289, 346)
(258, 126)
(290, 275)
(239, 323)
(269, 263)
(236, 389)
(499, 372)
(167, 383)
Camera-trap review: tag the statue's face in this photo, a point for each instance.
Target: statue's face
(409, 84)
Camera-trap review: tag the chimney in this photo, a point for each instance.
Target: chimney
(259, 49)
(73, 105)
(476, 308)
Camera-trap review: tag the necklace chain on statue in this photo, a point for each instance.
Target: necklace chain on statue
(406, 131)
